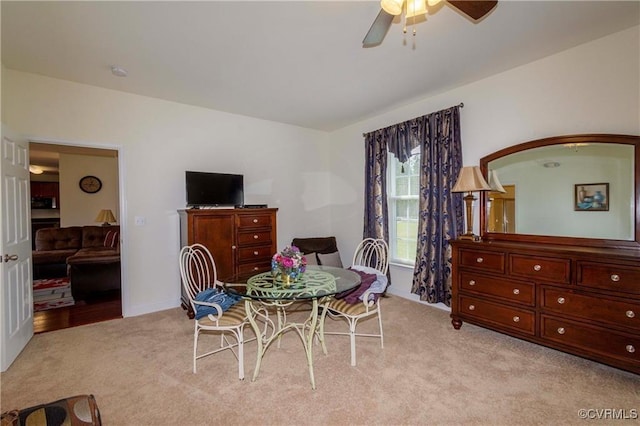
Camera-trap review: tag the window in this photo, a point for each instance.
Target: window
(403, 186)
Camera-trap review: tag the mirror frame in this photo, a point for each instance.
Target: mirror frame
(549, 239)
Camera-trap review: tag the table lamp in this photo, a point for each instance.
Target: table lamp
(105, 216)
(470, 180)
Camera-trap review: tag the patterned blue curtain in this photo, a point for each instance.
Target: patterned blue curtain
(376, 219)
(441, 211)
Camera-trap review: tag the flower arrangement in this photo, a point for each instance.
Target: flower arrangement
(289, 263)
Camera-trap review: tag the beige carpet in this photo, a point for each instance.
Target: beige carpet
(139, 370)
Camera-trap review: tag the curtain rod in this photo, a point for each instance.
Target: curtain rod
(461, 105)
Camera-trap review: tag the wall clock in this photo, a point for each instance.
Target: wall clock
(90, 184)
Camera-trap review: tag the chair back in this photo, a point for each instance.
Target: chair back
(373, 253)
(197, 269)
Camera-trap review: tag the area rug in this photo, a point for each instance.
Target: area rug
(51, 293)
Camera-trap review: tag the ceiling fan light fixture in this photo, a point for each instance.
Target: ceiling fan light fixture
(392, 7)
(416, 7)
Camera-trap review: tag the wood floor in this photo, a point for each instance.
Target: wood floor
(103, 307)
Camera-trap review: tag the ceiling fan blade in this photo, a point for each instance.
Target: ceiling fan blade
(473, 9)
(378, 29)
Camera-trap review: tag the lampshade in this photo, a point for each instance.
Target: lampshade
(392, 7)
(470, 179)
(105, 216)
(432, 3)
(494, 183)
(35, 170)
(416, 7)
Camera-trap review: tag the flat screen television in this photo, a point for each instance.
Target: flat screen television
(214, 189)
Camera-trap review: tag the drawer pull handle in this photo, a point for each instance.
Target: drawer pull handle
(479, 260)
(516, 319)
(472, 282)
(615, 278)
(561, 300)
(472, 307)
(537, 267)
(561, 330)
(630, 314)
(255, 253)
(631, 349)
(255, 237)
(516, 291)
(255, 220)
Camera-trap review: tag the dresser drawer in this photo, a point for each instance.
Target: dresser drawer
(597, 340)
(521, 320)
(540, 268)
(254, 267)
(617, 312)
(515, 291)
(254, 238)
(484, 260)
(254, 221)
(252, 254)
(609, 277)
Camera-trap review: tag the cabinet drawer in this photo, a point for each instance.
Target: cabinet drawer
(485, 260)
(540, 268)
(513, 318)
(609, 277)
(255, 267)
(254, 221)
(252, 238)
(597, 340)
(252, 254)
(617, 312)
(516, 291)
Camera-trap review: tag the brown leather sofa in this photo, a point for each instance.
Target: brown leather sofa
(80, 253)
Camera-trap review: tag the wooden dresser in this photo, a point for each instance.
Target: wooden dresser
(580, 300)
(240, 240)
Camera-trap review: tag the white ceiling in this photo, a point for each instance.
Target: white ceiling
(300, 63)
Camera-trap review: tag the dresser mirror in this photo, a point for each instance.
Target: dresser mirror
(581, 189)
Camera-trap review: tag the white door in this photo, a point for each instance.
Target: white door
(16, 295)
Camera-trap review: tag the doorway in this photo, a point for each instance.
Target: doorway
(67, 221)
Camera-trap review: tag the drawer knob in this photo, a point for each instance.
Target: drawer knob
(561, 330)
(630, 314)
(472, 282)
(233, 247)
(516, 291)
(516, 319)
(631, 349)
(561, 300)
(255, 268)
(255, 237)
(537, 267)
(255, 253)
(479, 260)
(615, 278)
(472, 307)
(255, 220)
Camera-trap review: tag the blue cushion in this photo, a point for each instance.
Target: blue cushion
(214, 295)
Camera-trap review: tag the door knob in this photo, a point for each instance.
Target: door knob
(8, 257)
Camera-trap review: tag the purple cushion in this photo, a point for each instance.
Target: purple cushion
(351, 296)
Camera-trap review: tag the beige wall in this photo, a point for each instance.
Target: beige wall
(284, 166)
(78, 208)
(592, 88)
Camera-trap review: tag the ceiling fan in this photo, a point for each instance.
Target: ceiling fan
(390, 8)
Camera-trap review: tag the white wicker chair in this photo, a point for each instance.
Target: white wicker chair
(372, 253)
(198, 271)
